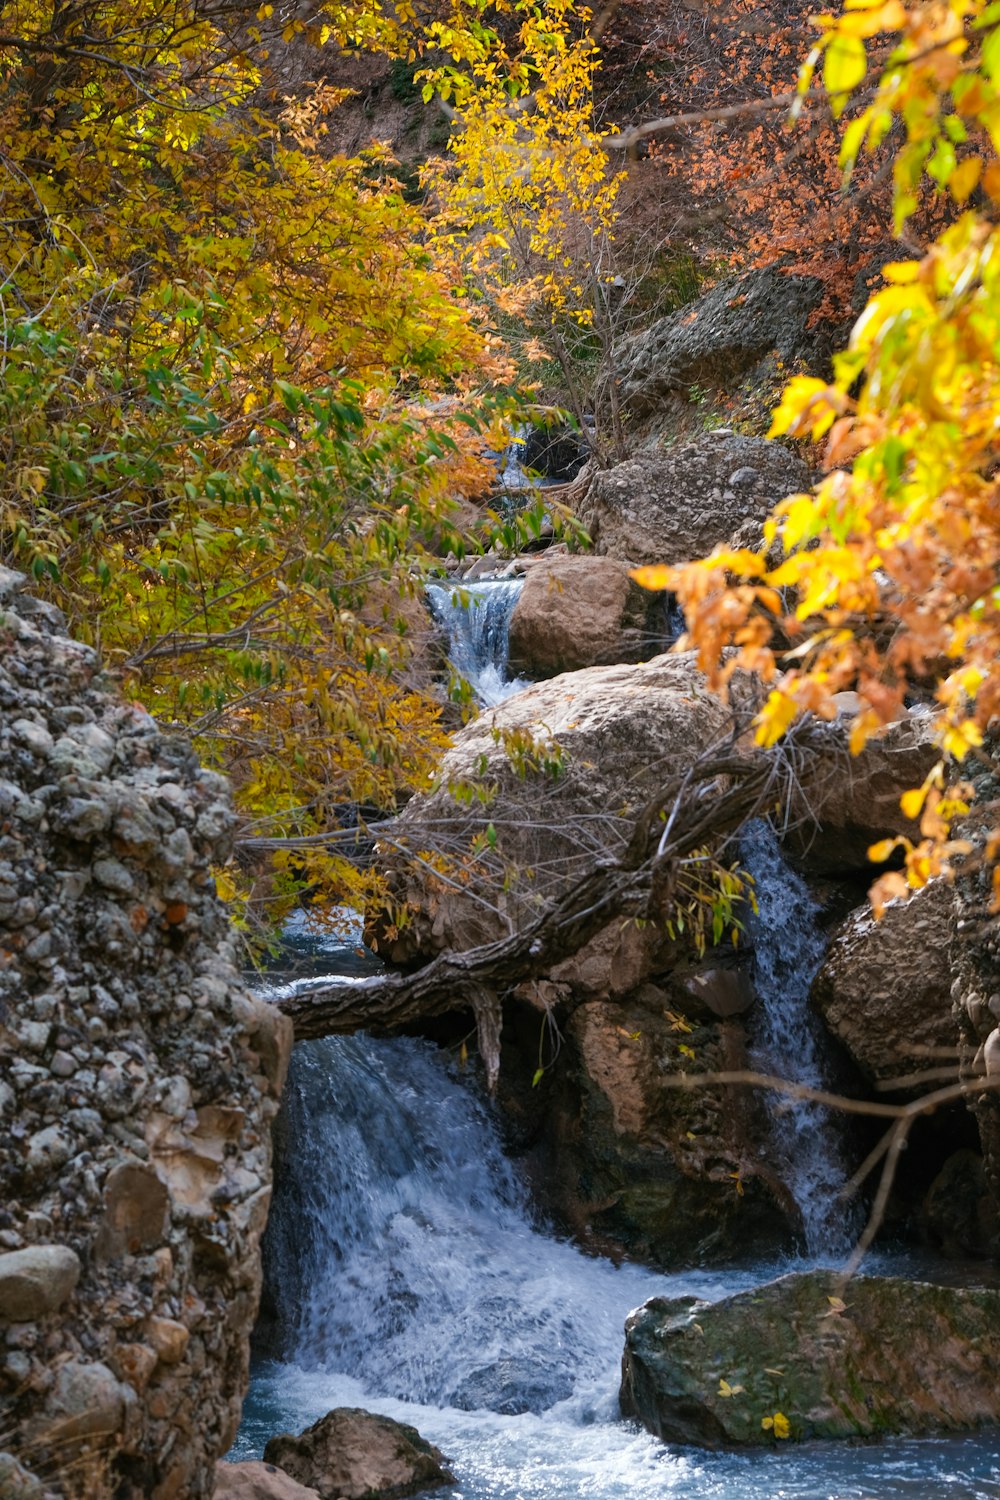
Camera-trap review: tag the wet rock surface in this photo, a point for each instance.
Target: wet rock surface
(629, 1164)
(138, 1079)
(880, 1356)
(353, 1455)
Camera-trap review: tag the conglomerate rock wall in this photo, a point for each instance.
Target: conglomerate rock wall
(138, 1078)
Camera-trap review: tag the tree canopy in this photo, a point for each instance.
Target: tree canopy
(245, 377)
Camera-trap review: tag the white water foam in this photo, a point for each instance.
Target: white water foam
(476, 618)
(409, 1277)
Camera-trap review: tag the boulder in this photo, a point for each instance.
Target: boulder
(15, 1481)
(353, 1455)
(717, 341)
(138, 1079)
(664, 1175)
(852, 801)
(959, 1214)
(36, 1281)
(531, 793)
(880, 1356)
(575, 612)
(884, 989)
(678, 505)
(256, 1481)
(976, 959)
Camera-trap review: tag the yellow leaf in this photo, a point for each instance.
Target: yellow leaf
(912, 802)
(964, 178)
(727, 1390)
(881, 851)
(778, 713)
(845, 64)
(656, 577)
(801, 520)
(959, 739)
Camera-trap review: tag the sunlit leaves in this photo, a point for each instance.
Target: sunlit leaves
(528, 177)
(220, 346)
(889, 570)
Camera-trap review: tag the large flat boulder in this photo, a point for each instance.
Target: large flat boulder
(531, 793)
(678, 505)
(805, 1357)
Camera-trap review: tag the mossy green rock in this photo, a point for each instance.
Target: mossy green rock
(879, 1356)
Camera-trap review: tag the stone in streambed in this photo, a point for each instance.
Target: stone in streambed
(576, 612)
(893, 1357)
(256, 1481)
(354, 1455)
(15, 1481)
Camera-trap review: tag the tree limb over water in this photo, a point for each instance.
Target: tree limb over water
(729, 784)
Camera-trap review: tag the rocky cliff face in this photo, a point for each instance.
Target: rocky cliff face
(137, 1082)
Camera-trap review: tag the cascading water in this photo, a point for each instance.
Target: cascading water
(409, 1279)
(476, 617)
(788, 948)
(406, 1275)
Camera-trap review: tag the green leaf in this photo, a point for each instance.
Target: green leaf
(844, 67)
(991, 55)
(539, 1075)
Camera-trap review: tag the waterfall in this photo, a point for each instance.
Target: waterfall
(404, 1240)
(406, 1274)
(788, 948)
(476, 617)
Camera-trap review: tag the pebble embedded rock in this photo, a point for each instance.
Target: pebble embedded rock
(719, 339)
(139, 1080)
(678, 505)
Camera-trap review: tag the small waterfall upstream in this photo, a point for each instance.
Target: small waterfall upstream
(476, 618)
(788, 948)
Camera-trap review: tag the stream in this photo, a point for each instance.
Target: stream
(408, 1274)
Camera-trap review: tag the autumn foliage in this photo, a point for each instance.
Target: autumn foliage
(891, 564)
